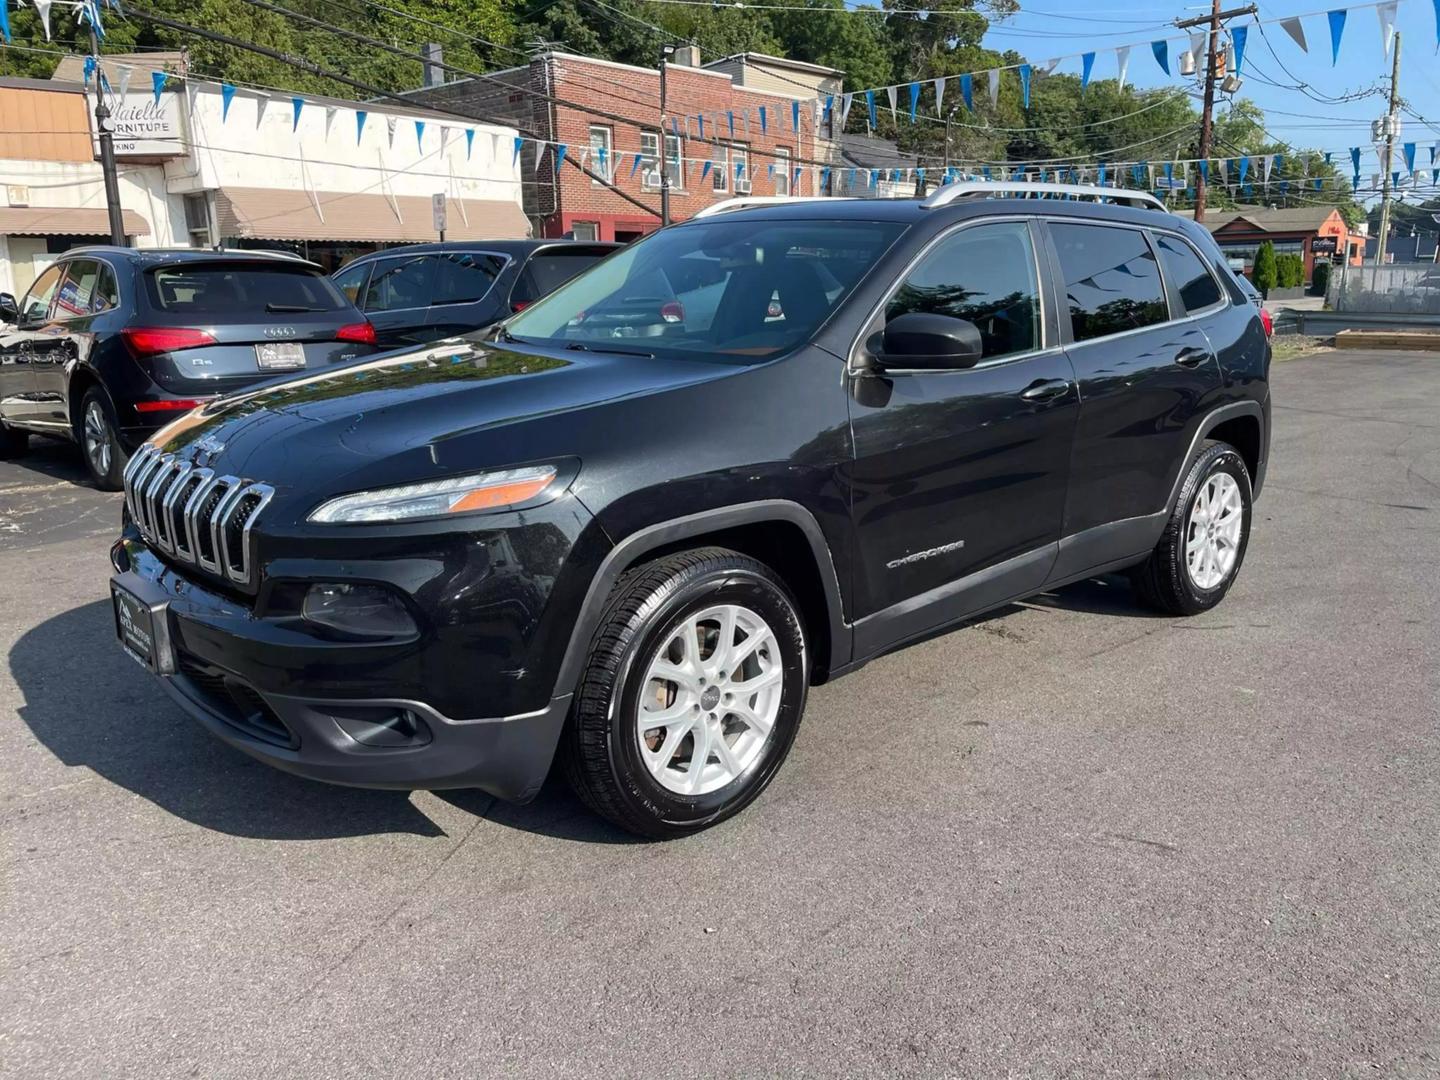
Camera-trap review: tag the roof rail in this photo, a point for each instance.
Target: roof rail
(749, 202)
(1034, 189)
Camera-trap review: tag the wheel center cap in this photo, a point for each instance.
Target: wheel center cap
(710, 698)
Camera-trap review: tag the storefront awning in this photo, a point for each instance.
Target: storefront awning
(66, 221)
(275, 214)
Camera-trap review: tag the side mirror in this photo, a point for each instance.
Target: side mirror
(920, 339)
(9, 310)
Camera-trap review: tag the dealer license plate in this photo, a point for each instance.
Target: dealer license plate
(280, 355)
(135, 627)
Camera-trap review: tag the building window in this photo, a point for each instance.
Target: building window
(197, 220)
(601, 139)
(720, 172)
(740, 164)
(782, 171)
(674, 161)
(650, 151)
(585, 230)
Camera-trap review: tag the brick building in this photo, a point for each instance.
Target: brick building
(703, 169)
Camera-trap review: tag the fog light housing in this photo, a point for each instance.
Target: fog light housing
(364, 611)
(382, 726)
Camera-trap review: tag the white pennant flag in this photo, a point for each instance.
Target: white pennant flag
(1197, 50)
(845, 102)
(1296, 29)
(192, 91)
(539, 154)
(890, 93)
(390, 127)
(994, 87)
(1050, 65)
(939, 97)
(1386, 14)
(124, 72)
(261, 101)
(43, 7)
(1267, 162)
(330, 111)
(1122, 60)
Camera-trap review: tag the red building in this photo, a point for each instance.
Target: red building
(1317, 233)
(741, 149)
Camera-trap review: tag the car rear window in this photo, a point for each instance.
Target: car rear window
(548, 270)
(241, 290)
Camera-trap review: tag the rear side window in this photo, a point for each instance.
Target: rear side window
(400, 283)
(462, 277)
(240, 291)
(986, 275)
(547, 271)
(1188, 273)
(78, 291)
(1112, 281)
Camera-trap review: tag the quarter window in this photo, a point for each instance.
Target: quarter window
(986, 275)
(1112, 282)
(1187, 272)
(107, 295)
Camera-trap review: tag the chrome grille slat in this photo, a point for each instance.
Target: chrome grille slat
(178, 507)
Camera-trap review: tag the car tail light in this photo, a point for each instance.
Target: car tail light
(171, 405)
(673, 312)
(153, 340)
(519, 305)
(361, 332)
(1267, 322)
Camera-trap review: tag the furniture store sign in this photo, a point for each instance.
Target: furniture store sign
(146, 128)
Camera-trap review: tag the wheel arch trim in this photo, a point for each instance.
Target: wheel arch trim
(1208, 423)
(638, 544)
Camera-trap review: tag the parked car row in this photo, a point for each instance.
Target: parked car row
(109, 343)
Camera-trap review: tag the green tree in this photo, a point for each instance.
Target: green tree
(1265, 275)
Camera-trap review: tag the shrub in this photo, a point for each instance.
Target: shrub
(1263, 276)
(1320, 280)
(1291, 271)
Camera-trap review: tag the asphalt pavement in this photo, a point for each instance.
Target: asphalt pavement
(1071, 839)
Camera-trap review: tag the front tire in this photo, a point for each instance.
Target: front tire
(100, 441)
(692, 695)
(1203, 546)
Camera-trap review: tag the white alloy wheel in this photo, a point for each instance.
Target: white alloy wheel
(1212, 539)
(711, 696)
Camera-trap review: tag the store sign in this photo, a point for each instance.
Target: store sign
(1323, 245)
(145, 128)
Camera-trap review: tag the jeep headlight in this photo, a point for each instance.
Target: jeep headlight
(437, 498)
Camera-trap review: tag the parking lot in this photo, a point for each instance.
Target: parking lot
(1072, 838)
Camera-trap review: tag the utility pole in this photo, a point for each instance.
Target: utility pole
(1207, 122)
(107, 148)
(1392, 126)
(666, 51)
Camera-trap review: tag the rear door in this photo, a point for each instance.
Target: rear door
(462, 297)
(1145, 367)
(87, 291)
(397, 299)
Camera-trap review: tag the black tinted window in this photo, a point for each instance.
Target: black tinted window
(462, 277)
(1112, 283)
(985, 275)
(106, 294)
(548, 270)
(240, 291)
(400, 283)
(1188, 274)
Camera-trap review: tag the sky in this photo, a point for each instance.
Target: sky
(1047, 28)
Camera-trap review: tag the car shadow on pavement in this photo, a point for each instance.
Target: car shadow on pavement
(90, 705)
(1109, 594)
(54, 459)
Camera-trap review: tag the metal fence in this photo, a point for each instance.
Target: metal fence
(1413, 289)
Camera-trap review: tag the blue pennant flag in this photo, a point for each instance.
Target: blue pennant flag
(1102, 175)
(967, 88)
(731, 117)
(1161, 49)
(157, 80)
(1319, 184)
(1087, 63)
(1024, 70)
(5, 21)
(602, 157)
(705, 167)
(515, 156)
(874, 178)
(1355, 160)
(1244, 168)
(764, 120)
(869, 103)
(914, 99)
(1337, 28)
(795, 115)
(1279, 162)
(560, 149)
(1237, 38)
(829, 108)
(1329, 155)
(825, 178)
(634, 165)
(795, 178)
(360, 116)
(297, 104)
(89, 67)
(700, 120)
(1204, 166)
(1169, 173)
(420, 134)
(227, 95)
(919, 175)
(1408, 149)
(1395, 179)
(986, 172)
(740, 169)
(469, 142)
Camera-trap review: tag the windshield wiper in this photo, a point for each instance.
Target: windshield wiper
(290, 307)
(581, 347)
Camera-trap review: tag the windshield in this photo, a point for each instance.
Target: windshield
(733, 289)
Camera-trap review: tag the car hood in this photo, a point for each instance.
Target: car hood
(456, 405)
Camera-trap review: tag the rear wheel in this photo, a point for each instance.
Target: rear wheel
(13, 441)
(1200, 552)
(99, 441)
(692, 696)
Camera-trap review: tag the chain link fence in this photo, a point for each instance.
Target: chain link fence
(1413, 289)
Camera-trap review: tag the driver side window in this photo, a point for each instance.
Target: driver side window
(985, 275)
(37, 301)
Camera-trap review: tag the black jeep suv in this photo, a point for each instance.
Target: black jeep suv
(112, 343)
(640, 543)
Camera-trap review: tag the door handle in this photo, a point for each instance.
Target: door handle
(1192, 357)
(1045, 390)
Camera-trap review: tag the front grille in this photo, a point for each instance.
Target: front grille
(235, 701)
(194, 516)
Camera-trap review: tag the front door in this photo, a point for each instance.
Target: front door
(1144, 364)
(959, 477)
(19, 346)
